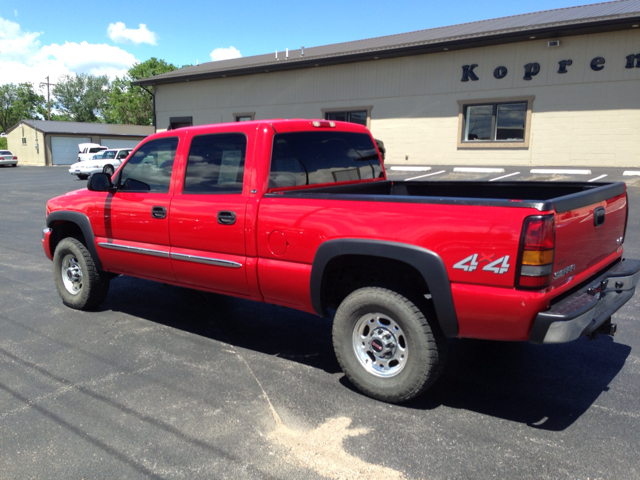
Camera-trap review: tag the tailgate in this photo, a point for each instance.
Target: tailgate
(589, 227)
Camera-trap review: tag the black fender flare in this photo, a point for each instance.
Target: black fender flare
(84, 223)
(428, 263)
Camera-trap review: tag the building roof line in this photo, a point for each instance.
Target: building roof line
(563, 22)
(80, 128)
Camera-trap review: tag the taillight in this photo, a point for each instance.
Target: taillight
(537, 246)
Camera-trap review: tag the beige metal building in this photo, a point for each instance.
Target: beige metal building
(42, 142)
(560, 87)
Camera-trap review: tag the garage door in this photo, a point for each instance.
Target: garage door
(64, 150)
(115, 143)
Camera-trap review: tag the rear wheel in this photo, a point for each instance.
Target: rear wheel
(108, 169)
(80, 284)
(389, 346)
(83, 177)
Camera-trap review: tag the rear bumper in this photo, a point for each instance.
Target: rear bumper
(582, 312)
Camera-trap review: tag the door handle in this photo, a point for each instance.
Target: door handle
(158, 212)
(226, 218)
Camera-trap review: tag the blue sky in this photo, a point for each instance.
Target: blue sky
(40, 38)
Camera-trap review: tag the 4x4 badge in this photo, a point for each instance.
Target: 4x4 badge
(469, 264)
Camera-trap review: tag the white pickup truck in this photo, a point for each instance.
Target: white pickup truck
(87, 150)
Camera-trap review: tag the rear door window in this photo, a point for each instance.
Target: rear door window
(216, 164)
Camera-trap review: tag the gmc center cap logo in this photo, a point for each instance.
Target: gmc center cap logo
(377, 345)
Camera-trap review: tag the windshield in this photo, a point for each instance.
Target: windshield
(5, 152)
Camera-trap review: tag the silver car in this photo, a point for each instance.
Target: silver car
(8, 158)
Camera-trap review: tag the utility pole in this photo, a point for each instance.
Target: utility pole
(48, 97)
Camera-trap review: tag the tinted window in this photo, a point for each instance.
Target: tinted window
(5, 152)
(307, 158)
(149, 169)
(216, 164)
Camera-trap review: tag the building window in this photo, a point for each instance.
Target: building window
(244, 117)
(495, 123)
(359, 115)
(180, 122)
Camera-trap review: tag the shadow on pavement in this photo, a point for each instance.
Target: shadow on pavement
(545, 387)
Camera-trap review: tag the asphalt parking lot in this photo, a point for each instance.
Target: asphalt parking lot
(166, 382)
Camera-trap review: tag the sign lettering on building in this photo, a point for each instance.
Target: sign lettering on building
(532, 69)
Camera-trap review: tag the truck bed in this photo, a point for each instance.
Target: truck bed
(543, 196)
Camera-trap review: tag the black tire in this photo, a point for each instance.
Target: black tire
(108, 169)
(371, 316)
(80, 284)
(83, 177)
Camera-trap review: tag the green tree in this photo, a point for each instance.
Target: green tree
(132, 104)
(3, 143)
(18, 102)
(82, 98)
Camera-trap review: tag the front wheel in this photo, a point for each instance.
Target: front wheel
(108, 169)
(388, 347)
(80, 284)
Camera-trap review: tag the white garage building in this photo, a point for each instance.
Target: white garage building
(42, 142)
(559, 87)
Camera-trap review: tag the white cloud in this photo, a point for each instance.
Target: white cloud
(89, 58)
(15, 44)
(23, 59)
(119, 33)
(225, 54)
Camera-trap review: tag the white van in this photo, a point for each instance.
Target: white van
(87, 150)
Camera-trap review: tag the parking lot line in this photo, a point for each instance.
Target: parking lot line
(427, 175)
(478, 170)
(504, 176)
(566, 171)
(598, 178)
(627, 173)
(410, 169)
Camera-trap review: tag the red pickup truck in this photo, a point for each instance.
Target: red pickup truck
(300, 213)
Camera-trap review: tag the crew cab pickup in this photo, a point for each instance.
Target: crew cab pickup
(300, 213)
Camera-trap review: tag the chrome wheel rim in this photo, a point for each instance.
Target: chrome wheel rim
(71, 274)
(380, 345)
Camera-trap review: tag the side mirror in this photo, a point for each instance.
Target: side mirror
(100, 182)
(380, 145)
